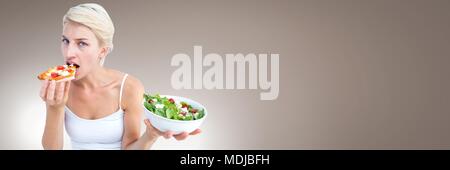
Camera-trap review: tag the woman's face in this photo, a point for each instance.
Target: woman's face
(80, 46)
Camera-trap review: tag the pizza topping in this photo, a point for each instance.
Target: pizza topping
(54, 74)
(60, 68)
(64, 73)
(58, 73)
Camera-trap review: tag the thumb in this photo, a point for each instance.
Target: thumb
(147, 123)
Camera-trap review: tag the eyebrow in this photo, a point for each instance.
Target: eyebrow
(75, 39)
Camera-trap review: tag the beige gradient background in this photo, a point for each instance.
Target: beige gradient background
(354, 74)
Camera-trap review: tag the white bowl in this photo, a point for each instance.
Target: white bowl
(176, 126)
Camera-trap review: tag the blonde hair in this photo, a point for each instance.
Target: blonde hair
(95, 17)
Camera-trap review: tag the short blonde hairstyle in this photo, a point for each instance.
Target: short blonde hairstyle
(95, 17)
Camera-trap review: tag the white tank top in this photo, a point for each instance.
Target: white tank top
(102, 133)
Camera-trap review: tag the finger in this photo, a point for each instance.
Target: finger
(51, 90)
(151, 128)
(181, 136)
(148, 124)
(60, 92)
(66, 89)
(168, 134)
(44, 89)
(196, 131)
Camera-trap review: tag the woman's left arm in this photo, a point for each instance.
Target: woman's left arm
(131, 102)
(132, 98)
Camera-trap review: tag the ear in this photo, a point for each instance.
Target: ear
(103, 52)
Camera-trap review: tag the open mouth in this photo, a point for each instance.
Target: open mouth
(74, 64)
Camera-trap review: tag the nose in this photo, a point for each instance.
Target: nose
(71, 51)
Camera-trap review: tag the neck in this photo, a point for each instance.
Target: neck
(97, 78)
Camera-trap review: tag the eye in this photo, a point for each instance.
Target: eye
(65, 41)
(82, 44)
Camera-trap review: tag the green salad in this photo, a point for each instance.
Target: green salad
(171, 109)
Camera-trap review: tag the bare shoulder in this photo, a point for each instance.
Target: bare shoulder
(133, 86)
(133, 91)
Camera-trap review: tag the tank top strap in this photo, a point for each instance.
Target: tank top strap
(121, 90)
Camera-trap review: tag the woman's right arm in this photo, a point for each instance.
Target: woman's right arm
(55, 96)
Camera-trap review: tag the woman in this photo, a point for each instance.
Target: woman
(101, 108)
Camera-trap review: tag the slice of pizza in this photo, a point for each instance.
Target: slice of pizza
(59, 73)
